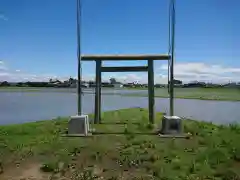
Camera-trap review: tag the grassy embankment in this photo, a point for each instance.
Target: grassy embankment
(221, 94)
(125, 146)
(218, 94)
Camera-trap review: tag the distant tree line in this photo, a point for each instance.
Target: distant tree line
(71, 82)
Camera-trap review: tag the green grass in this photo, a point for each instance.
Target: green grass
(218, 94)
(222, 94)
(125, 146)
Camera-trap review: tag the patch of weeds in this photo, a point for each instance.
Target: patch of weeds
(129, 158)
(145, 151)
(130, 136)
(202, 141)
(49, 167)
(151, 145)
(143, 159)
(213, 157)
(119, 161)
(75, 151)
(72, 165)
(167, 159)
(235, 154)
(86, 174)
(189, 150)
(160, 170)
(126, 131)
(155, 173)
(234, 127)
(148, 166)
(142, 146)
(127, 145)
(189, 136)
(217, 156)
(136, 142)
(201, 157)
(221, 126)
(188, 128)
(176, 164)
(225, 142)
(96, 156)
(192, 167)
(153, 158)
(133, 162)
(141, 126)
(172, 144)
(204, 170)
(150, 126)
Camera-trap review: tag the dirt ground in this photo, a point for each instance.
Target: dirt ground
(32, 171)
(26, 171)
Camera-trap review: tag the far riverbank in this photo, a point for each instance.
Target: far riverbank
(217, 94)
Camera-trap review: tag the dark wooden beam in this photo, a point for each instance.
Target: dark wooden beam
(124, 69)
(97, 117)
(125, 57)
(151, 100)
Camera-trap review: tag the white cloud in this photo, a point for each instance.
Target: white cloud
(137, 77)
(3, 17)
(7, 74)
(183, 71)
(202, 68)
(2, 66)
(204, 72)
(131, 77)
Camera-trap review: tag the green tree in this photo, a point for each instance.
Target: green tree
(113, 81)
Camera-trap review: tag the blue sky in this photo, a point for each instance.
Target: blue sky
(38, 38)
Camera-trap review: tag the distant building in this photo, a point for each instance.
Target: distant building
(128, 85)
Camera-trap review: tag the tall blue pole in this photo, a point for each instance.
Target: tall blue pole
(172, 60)
(79, 90)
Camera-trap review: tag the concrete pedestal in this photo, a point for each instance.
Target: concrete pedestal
(78, 126)
(171, 125)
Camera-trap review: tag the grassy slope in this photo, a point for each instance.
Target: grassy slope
(128, 150)
(224, 94)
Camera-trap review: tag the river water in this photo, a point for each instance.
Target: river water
(20, 107)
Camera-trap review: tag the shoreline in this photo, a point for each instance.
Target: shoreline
(178, 97)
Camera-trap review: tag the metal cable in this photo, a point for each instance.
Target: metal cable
(171, 22)
(169, 39)
(79, 59)
(172, 59)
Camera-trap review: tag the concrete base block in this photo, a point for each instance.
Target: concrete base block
(171, 125)
(78, 126)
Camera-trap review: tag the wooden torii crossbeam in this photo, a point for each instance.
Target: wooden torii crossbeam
(149, 68)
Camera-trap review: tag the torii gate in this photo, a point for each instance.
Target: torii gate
(149, 68)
